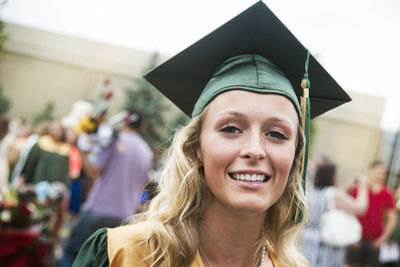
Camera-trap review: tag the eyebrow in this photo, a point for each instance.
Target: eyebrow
(232, 112)
(240, 114)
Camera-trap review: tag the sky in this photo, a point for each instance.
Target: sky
(357, 41)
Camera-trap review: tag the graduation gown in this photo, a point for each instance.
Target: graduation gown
(114, 247)
(47, 161)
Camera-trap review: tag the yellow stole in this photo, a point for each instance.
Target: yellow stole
(122, 252)
(47, 143)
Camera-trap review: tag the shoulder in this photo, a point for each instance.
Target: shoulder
(385, 193)
(94, 250)
(124, 235)
(137, 142)
(389, 196)
(47, 143)
(113, 247)
(388, 191)
(132, 138)
(123, 249)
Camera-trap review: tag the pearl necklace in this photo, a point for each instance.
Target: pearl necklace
(262, 260)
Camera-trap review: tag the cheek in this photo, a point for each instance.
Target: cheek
(214, 148)
(283, 158)
(216, 157)
(283, 163)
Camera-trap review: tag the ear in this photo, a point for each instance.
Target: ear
(199, 154)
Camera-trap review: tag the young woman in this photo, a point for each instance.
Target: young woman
(230, 191)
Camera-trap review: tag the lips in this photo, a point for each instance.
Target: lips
(250, 177)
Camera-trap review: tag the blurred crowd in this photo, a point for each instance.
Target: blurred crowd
(353, 224)
(104, 167)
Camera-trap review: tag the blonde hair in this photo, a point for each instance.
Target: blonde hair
(174, 214)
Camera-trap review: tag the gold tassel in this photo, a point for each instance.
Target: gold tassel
(305, 123)
(303, 104)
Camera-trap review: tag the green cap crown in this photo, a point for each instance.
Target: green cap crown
(250, 73)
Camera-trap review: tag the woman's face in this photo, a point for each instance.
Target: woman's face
(247, 148)
(56, 131)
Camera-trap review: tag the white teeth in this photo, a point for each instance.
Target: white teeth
(249, 177)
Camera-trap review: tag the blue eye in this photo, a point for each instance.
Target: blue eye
(230, 130)
(277, 135)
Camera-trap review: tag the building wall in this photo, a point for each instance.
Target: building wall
(351, 146)
(350, 135)
(30, 83)
(37, 67)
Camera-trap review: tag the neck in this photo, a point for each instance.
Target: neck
(228, 237)
(376, 186)
(128, 129)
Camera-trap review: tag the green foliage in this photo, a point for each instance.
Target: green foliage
(45, 115)
(4, 102)
(3, 35)
(150, 102)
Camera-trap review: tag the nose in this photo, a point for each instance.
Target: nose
(254, 149)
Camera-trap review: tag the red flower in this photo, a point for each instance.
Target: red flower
(109, 95)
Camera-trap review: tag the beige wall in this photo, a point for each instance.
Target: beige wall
(350, 135)
(351, 146)
(31, 83)
(37, 67)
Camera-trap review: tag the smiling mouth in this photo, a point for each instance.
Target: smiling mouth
(249, 177)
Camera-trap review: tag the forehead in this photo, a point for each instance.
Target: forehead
(253, 104)
(379, 167)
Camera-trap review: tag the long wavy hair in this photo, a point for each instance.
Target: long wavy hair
(175, 213)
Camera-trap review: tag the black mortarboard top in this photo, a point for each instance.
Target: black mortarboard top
(255, 31)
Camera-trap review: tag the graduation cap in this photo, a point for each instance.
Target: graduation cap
(254, 31)
(254, 51)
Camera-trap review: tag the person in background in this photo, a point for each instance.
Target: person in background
(48, 158)
(395, 238)
(121, 170)
(41, 129)
(20, 130)
(75, 168)
(313, 166)
(48, 161)
(81, 112)
(321, 196)
(375, 228)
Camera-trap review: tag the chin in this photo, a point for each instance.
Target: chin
(251, 207)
